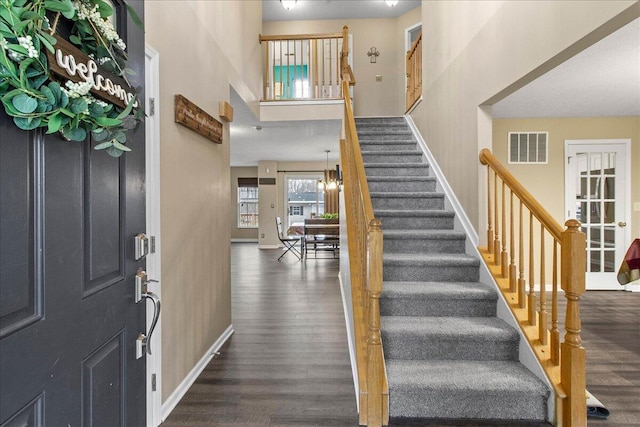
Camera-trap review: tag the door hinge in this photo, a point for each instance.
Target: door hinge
(152, 244)
(153, 382)
(152, 106)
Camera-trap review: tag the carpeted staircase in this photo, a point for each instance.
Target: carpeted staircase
(447, 354)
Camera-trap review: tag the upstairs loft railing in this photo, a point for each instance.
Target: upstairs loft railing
(364, 234)
(527, 247)
(304, 66)
(414, 73)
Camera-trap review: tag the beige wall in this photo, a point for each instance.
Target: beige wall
(546, 182)
(240, 233)
(475, 53)
(203, 47)
(371, 98)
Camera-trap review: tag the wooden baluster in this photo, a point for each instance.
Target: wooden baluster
(266, 70)
(531, 302)
(542, 314)
(374, 353)
(512, 249)
(573, 360)
(503, 255)
(316, 80)
(409, 74)
(521, 281)
(322, 55)
(489, 214)
(555, 333)
(288, 92)
(496, 239)
(281, 80)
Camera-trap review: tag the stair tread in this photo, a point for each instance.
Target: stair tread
(396, 165)
(415, 213)
(392, 153)
(438, 290)
(400, 178)
(431, 258)
(479, 376)
(365, 141)
(422, 234)
(450, 328)
(401, 194)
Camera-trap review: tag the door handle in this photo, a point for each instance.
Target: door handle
(622, 224)
(156, 315)
(143, 342)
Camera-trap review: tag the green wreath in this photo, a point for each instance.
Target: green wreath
(34, 99)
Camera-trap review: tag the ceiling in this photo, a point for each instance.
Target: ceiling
(603, 80)
(304, 10)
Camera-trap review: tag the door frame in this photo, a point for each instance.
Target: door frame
(152, 186)
(626, 212)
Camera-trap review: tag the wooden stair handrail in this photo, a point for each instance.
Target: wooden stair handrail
(488, 159)
(563, 363)
(287, 37)
(364, 233)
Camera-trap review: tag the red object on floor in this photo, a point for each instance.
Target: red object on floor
(630, 269)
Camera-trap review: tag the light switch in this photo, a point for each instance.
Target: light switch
(636, 206)
(378, 77)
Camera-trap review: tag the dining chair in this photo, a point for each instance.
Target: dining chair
(289, 242)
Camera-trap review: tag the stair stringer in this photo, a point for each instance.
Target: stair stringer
(526, 354)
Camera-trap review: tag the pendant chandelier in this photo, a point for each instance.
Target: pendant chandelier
(329, 182)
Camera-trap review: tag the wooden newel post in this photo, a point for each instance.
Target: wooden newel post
(374, 343)
(573, 356)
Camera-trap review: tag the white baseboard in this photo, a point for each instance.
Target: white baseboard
(268, 246)
(243, 240)
(175, 397)
(350, 342)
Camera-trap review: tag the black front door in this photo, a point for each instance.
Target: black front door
(68, 320)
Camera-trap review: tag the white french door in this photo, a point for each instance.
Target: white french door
(597, 194)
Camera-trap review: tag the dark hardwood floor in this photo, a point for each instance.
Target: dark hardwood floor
(287, 364)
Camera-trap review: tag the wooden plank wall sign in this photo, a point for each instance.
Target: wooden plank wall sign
(195, 118)
(71, 63)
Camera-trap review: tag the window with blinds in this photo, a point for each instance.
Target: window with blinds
(528, 147)
(247, 202)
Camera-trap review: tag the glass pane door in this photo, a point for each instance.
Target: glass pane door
(596, 181)
(304, 199)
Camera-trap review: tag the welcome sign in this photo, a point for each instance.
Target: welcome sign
(71, 63)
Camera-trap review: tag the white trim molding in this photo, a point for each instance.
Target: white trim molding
(175, 397)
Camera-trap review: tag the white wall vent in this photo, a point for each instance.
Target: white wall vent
(528, 147)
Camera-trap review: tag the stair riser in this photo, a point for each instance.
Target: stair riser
(387, 128)
(395, 186)
(400, 136)
(385, 157)
(415, 223)
(398, 171)
(408, 346)
(427, 246)
(407, 203)
(377, 121)
(464, 404)
(436, 273)
(437, 307)
(388, 146)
